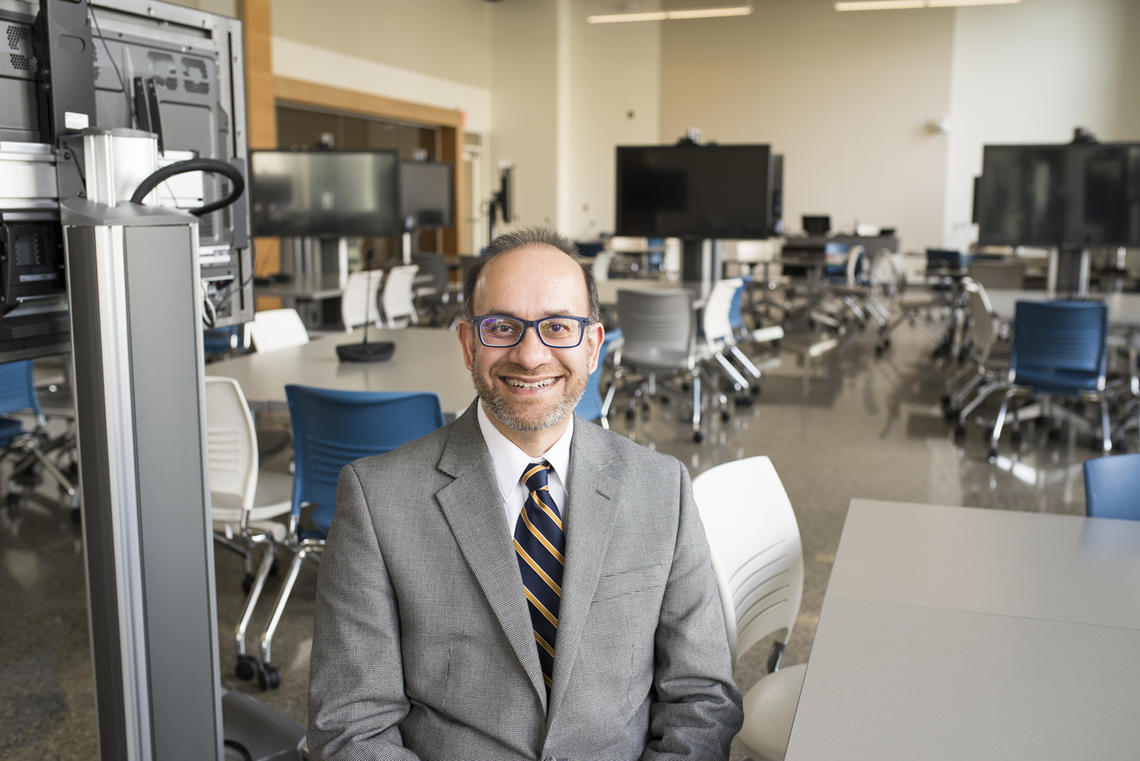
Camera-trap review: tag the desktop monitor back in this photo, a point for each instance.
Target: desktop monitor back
(816, 224)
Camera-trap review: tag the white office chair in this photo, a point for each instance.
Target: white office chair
(600, 267)
(243, 502)
(758, 561)
(360, 303)
(720, 338)
(398, 297)
(276, 329)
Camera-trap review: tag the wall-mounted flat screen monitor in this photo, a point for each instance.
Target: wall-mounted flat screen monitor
(1022, 195)
(326, 194)
(694, 191)
(426, 194)
(1106, 187)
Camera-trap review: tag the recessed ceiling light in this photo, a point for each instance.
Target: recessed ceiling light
(691, 13)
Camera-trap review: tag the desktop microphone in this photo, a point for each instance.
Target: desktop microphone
(364, 351)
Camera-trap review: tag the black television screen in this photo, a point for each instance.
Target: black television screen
(1106, 189)
(426, 191)
(324, 193)
(1022, 195)
(701, 191)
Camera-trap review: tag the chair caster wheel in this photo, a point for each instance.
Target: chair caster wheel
(755, 391)
(945, 400)
(725, 416)
(698, 437)
(269, 677)
(76, 515)
(950, 413)
(247, 583)
(991, 455)
(959, 433)
(630, 414)
(247, 667)
(743, 401)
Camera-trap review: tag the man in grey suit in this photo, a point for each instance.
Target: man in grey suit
(520, 584)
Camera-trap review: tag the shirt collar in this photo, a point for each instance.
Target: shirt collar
(509, 461)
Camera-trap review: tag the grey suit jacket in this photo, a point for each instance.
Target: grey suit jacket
(423, 647)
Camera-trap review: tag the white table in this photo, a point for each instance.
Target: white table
(960, 633)
(425, 359)
(1123, 308)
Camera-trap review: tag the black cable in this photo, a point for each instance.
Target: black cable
(216, 166)
(115, 66)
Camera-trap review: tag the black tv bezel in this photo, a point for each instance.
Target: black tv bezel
(764, 228)
(380, 232)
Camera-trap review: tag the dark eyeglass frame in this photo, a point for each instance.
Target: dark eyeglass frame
(583, 322)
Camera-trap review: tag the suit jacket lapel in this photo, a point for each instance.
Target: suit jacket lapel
(593, 497)
(474, 510)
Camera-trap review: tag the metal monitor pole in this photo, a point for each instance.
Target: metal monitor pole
(135, 302)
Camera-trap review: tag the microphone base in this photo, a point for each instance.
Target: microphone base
(370, 352)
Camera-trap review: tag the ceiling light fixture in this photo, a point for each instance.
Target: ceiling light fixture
(890, 5)
(619, 18)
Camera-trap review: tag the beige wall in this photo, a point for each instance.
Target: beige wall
(524, 106)
(1031, 73)
(615, 99)
(846, 97)
(440, 38)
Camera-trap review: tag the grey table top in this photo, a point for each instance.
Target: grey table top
(951, 633)
(1123, 308)
(608, 289)
(304, 287)
(425, 359)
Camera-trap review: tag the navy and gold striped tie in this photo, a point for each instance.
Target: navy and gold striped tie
(539, 544)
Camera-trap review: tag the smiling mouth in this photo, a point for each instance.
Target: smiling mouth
(519, 383)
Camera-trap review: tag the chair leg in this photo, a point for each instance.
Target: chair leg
(748, 365)
(998, 424)
(1105, 432)
(697, 406)
(732, 373)
(279, 605)
(983, 394)
(253, 596)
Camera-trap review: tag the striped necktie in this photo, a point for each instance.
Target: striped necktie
(539, 544)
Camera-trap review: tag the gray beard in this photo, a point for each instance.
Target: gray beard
(498, 407)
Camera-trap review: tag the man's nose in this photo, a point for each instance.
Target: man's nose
(531, 351)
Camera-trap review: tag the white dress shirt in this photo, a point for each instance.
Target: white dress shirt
(510, 462)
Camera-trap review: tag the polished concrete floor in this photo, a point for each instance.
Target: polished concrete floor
(849, 424)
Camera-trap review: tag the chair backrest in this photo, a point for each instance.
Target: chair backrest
(736, 309)
(399, 294)
(982, 318)
(655, 324)
(715, 321)
(231, 447)
(359, 304)
(18, 389)
(590, 405)
(1064, 338)
(755, 545)
(600, 267)
(1111, 487)
(434, 265)
(276, 329)
(332, 428)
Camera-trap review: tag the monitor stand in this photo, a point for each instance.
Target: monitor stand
(1069, 272)
(701, 262)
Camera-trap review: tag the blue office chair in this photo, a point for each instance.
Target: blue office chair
(1111, 487)
(591, 406)
(32, 446)
(331, 429)
(1058, 349)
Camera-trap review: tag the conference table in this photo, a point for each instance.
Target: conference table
(1123, 308)
(425, 359)
(963, 633)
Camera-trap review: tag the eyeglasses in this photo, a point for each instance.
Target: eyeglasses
(502, 331)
